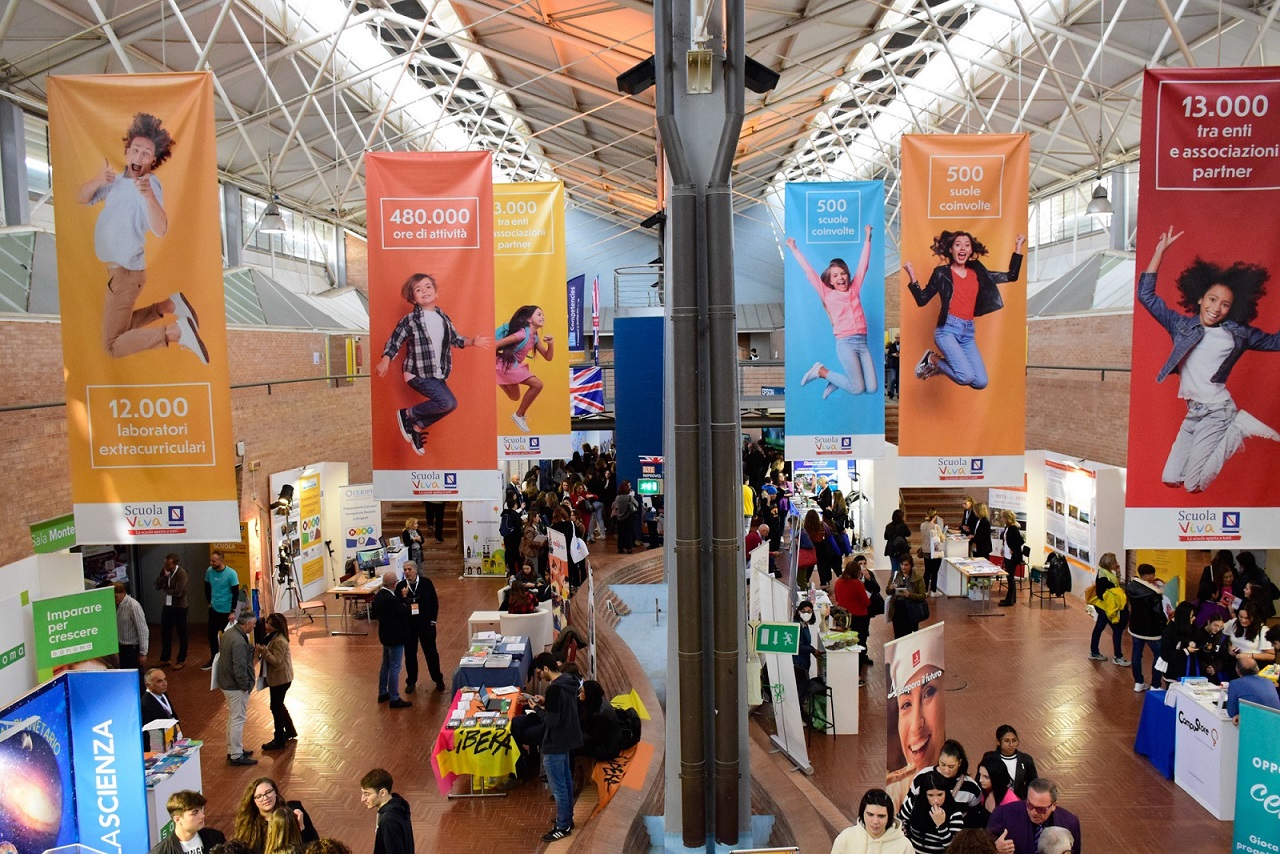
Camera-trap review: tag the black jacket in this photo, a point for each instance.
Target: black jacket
(152, 710)
(171, 845)
(1025, 771)
(982, 538)
(392, 614)
(395, 831)
(988, 299)
(423, 594)
(1146, 611)
(562, 731)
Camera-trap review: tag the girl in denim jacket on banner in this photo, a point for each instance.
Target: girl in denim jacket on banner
(1220, 303)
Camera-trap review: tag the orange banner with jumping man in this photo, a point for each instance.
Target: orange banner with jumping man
(431, 316)
(963, 318)
(143, 315)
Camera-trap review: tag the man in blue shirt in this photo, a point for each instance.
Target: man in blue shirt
(222, 590)
(1250, 686)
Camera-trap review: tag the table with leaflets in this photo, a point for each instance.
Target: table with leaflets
(1206, 745)
(174, 770)
(475, 739)
(494, 660)
(971, 577)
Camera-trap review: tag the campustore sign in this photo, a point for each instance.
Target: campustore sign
(1257, 819)
(75, 628)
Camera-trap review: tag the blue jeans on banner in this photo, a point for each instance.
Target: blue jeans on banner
(859, 372)
(389, 673)
(439, 401)
(560, 779)
(1136, 656)
(961, 363)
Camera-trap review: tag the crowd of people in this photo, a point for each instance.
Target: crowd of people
(266, 822)
(1003, 807)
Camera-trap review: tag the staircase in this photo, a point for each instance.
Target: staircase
(396, 513)
(946, 500)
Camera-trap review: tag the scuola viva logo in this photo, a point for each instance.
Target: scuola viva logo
(155, 518)
(428, 483)
(960, 468)
(832, 444)
(1208, 525)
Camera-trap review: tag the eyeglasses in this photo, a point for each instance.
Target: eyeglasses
(262, 796)
(1039, 810)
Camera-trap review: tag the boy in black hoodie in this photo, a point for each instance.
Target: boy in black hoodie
(562, 733)
(1147, 621)
(394, 832)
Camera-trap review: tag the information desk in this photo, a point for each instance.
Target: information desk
(961, 575)
(517, 673)
(355, 592)
(955, 545)
(482, 753)
(168, 773)
(1206, 746)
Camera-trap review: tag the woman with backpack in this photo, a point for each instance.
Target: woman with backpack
(897, 536)
(517, 340)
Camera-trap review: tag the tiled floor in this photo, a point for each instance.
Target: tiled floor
(1029, 668)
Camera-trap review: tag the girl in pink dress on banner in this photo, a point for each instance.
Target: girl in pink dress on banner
(518, 339)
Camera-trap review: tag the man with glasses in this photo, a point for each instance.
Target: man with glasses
(1018, 826)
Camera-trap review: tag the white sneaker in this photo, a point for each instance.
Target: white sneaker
(1251, 426)
(811, 374)
(520, 422)
(826, 392)
(183, 308)
(189, 338)
(925, 368)
(1139, 687)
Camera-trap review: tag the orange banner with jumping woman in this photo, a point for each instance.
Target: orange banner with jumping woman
(963, 319)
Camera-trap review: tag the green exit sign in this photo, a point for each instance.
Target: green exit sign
(649, 486)
(782, 638)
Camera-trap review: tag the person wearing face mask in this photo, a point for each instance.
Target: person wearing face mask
(876, 831)
(801, 661)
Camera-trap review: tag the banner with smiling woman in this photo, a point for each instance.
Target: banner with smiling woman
(144, 337)
(962, 410)
(915, 706)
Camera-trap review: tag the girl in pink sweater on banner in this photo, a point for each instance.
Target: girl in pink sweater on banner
(839, 291)
(517, 340)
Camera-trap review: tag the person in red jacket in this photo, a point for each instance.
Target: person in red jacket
(852, 591)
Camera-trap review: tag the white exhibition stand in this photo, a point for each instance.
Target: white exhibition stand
(1206, 746)
(187, 776)
(842, 676)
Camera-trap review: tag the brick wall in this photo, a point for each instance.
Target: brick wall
(1080, 413)
(287, 427)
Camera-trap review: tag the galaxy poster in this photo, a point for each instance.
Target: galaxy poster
(37, 808)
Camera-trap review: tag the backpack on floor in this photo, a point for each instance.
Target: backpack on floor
(629, 724)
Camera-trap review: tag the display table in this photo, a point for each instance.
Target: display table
(480, 752)
(495, 677)
(1206, 745)
(355, 593)
(537, 627)
(842, 676)
(171, 772)
(1156, 737)
(971, 573)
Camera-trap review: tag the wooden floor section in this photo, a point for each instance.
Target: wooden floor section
(1029, 668)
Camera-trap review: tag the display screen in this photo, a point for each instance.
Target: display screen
(368, 559)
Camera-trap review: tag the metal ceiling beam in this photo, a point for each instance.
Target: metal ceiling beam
(511, 16)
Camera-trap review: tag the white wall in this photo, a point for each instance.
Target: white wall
(30, 579)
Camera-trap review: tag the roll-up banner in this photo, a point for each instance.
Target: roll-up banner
(144, 337)
(834, 284)
(915, 705)
(1257, 780)
(962, 412)
(532, 321)
(431, 313)
(1203, 412)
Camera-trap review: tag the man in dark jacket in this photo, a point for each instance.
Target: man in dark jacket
(391, 610)
(1018, 824)
(186, 809)
(424, 607)
(394, 831)
(562, 733)
(155, 699)
(1147, 621)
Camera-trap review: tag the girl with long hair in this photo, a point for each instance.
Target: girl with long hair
(839, 290)
(279, 662)
(966, 290)
(261, 798)
(521, 339)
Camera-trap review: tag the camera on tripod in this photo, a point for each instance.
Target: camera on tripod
(284, 568)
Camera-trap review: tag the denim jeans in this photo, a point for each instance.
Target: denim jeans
(1136, 657)
(962, 363)
(1117, 630)
(389, 674)
(859, 373)
(439, 401)
(560, 779)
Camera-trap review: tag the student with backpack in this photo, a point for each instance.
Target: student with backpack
(516, 340)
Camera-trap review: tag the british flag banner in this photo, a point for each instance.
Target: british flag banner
(586, 390)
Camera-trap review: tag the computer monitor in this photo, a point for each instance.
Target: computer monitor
(370, 559)
(393, 544)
